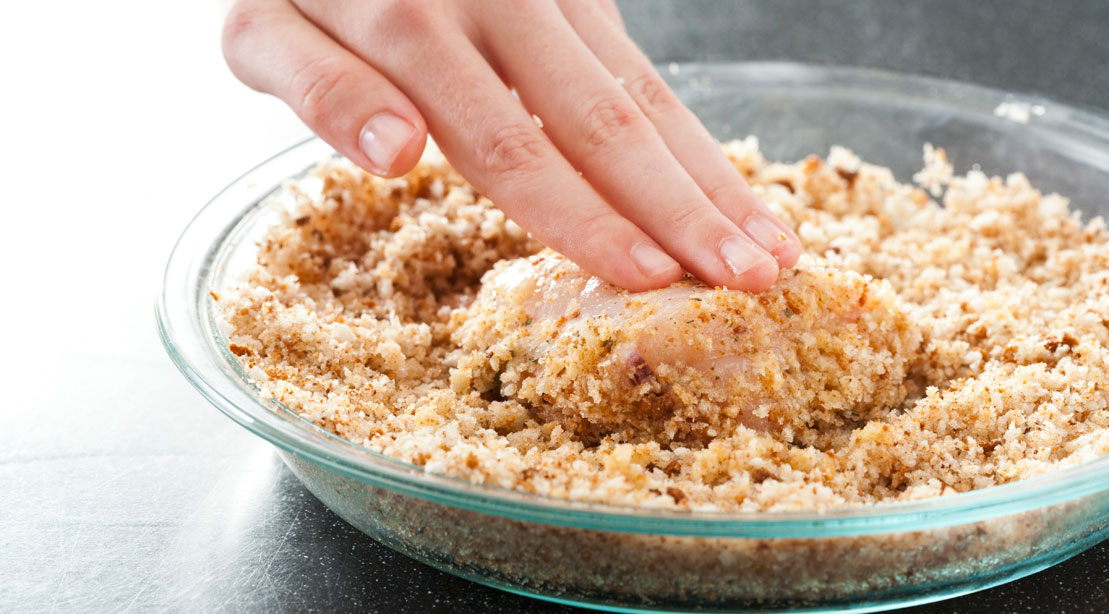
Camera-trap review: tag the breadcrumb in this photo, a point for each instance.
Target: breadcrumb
(361, 315)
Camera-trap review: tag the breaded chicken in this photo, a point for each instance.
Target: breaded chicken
(823, 346)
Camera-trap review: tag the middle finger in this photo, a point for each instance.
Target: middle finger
(685, 136)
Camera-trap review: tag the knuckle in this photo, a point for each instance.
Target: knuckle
(315, 84)
(413, 17)
(652, 94)
(590, 236)
(694, 217)
(600, 225)
(607, 118)
(725, 192)
(242, 21)
(513, 149)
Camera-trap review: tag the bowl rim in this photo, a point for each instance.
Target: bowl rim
(190, 336)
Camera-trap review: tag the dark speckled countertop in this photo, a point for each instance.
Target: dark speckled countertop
(124, 491)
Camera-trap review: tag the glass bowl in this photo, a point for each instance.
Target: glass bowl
(628, 559)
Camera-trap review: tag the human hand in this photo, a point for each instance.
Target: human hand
(655, 195)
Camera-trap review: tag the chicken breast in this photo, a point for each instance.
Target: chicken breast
(823, 346)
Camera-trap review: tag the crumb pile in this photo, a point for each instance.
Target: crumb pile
(362, 314)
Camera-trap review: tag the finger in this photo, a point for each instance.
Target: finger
(271, 47)
(497, 146)
(612, 11)
(599, 128)
(685, 136)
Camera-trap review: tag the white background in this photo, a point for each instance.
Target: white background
(119, 120)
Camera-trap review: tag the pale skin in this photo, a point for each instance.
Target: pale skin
(620, 177)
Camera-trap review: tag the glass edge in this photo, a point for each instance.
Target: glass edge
(1086, 118)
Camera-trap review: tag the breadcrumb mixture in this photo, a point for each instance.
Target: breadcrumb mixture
(980, 357)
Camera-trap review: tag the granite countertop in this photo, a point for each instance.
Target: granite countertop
(124, 491)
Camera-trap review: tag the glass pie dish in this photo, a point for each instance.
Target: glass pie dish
(629, 559)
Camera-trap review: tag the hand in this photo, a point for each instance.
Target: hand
(655, 194)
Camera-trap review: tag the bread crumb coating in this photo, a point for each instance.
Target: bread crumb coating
(920, 348)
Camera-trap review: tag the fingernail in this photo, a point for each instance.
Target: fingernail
(742, 256)
(765, 232)
(382, 138)
(652, 261)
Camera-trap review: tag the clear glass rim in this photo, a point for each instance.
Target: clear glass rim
(188, 334)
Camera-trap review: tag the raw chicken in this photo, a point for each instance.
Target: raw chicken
(685, 363)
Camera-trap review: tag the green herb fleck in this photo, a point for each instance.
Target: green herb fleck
(607, 343)
(527, 322)
(789, 314)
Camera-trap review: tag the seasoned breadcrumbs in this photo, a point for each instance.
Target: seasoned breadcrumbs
(361, 316)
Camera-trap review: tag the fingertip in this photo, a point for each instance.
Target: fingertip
(411, 155)
(789, 254)
(762, 276)
(653, 263)
(774, 237)
(752, 268)
(642, 283)
(391, 144)
(408, 158)
(759, 278)
(646, 267)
